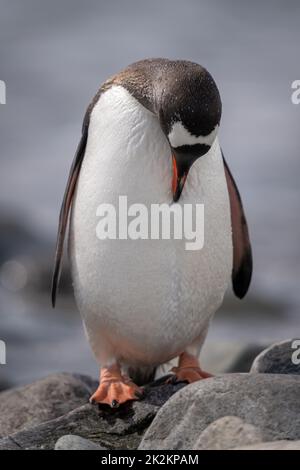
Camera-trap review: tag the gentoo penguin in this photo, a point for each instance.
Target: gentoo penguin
(151, 133)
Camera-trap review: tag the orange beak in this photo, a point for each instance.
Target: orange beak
(178, 181)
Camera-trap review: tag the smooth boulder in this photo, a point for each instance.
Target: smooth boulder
(269, 402)
(280, 358)
(275, 445)
(25, 407)
(226, 433)
(73, 442)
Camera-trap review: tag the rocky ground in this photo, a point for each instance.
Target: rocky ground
(255, 410)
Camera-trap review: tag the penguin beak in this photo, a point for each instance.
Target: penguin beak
(182, 161)
(179, 178)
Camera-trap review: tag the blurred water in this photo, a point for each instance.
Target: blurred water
(53, 57)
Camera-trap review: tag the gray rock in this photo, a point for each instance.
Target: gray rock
(275, 445)
(46, 399)
(8, 444)
(121, 428)
(72, 442)
(226, 433)
(269, 402)
(277, 359)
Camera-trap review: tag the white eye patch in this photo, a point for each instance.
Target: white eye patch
(179, 136)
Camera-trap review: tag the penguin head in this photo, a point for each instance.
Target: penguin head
(189, 113)
(185, 98)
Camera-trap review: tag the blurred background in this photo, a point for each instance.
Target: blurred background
(53, 57)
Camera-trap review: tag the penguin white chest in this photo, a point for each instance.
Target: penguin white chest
(143, 301)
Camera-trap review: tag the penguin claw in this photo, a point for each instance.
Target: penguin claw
(140, 393)
(172, 380)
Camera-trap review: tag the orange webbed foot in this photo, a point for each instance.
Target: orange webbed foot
(188, 374)
(188, 370)
(115, 389)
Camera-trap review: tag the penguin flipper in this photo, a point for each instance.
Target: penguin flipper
(242, 252)
(66, 205)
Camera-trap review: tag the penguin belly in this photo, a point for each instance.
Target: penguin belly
(144, 301)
